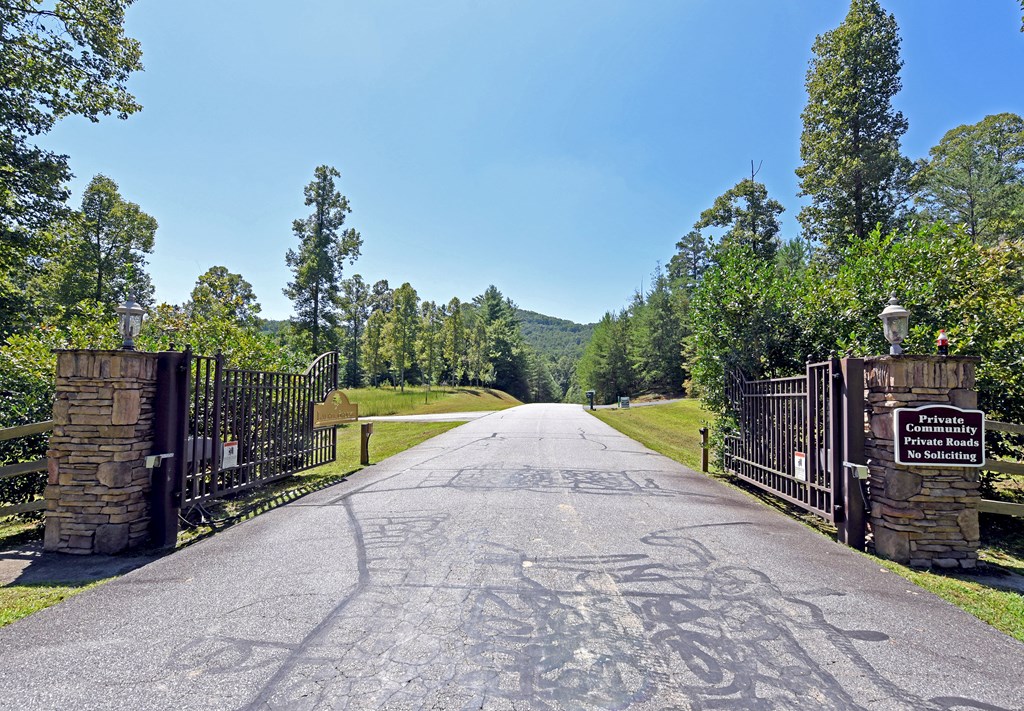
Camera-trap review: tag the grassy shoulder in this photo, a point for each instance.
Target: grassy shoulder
(389, 438)
(672, 430)
(416, 400)
(17, 601)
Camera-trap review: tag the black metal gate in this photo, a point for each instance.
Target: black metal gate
(230, 429)
(797, 437)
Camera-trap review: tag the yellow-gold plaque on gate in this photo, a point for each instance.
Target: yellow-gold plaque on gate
(334, 410)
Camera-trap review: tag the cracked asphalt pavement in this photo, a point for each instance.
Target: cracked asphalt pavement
(531, 559)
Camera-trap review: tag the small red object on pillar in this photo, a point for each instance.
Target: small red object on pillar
(942, 342)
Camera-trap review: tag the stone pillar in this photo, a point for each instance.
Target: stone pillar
(921, 516)
(97, 494)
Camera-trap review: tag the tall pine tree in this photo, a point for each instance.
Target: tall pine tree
(323, 247)
(852, 168)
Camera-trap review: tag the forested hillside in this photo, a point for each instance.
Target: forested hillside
(559, 344)
(944, 232)
(554, 337)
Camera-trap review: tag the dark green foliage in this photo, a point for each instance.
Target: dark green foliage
(59, 59)
(748, 216)
(975, 178)
(401, 330)
(541, 386)
(355, 309)
(553, 337)
(323, 248)
(656, 336)
(605, 367)
(559, 344)
(852, 168)
(26, 396)
(506, 351)
(690, 260)
(100, 253)
(742, 319)
(219, 293)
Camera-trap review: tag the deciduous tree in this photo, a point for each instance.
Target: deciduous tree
(57, 59)
(455, 347)
(355, 310)
(400, 333)
(219, 293)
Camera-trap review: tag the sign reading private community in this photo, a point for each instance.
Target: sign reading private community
(334, 410)
(939, 436)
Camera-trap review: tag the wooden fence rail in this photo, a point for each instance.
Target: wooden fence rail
(21, 468)
(1003, 466)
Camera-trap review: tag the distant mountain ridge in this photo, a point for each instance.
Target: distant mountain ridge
(548, 336)
(554, 337)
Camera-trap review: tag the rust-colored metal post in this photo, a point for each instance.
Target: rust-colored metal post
(365, 430)
(169, 413)
(851, 444)
(704, 449)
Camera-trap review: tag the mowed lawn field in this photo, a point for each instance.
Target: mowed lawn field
(416, 400)
(673, 429)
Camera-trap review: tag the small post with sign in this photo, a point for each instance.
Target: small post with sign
(365, 430)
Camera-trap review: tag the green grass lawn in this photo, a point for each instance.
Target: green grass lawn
(17, 601)
(417, 401)
(673, 429)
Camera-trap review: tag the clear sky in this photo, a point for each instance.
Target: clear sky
(557, 149)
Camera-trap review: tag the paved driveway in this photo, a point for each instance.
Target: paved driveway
(531, 559)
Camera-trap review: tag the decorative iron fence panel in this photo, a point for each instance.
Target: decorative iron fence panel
(782, 422)
(264, 416)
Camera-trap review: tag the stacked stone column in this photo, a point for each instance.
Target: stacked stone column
(97, 494)
(921, 516)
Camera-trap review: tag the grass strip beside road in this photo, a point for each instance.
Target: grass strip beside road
(17, 601)
(1003, 609)
(673, 430)
(376, 402)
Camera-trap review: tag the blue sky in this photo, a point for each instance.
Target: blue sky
(556, 149)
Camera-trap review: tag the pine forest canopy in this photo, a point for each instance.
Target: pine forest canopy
(737, 292)
(945, 234)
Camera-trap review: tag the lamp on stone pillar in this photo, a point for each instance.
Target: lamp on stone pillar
(895, 324)
(129, 322)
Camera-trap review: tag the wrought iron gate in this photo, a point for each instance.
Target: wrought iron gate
(796, 436)
(263, 418)
(266, 414)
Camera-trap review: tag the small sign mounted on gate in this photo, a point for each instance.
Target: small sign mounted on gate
(229, 455)
(939, 436)
(800, 466)
(334, 410)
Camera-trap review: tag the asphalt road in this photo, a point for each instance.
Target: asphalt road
(531, 559)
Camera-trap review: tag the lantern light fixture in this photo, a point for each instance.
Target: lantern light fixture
(129, 322)
(895, 325)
